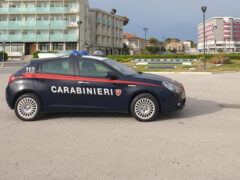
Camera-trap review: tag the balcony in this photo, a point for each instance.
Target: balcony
(15, 38)
(14, 24)
(58, 10)
(227, 37)
(33, 10)
(33, 24)
(39, 38)
(227, 28)
(3, 24)
(99, 20)
(227, 23)
(3, 10)
(4, 38)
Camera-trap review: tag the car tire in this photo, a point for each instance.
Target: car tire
(145, 107)
(28, 107)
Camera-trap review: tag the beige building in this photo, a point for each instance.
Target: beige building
(135, 44)
(106, 31)
(174, 45)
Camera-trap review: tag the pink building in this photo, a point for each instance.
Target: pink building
(221, 33)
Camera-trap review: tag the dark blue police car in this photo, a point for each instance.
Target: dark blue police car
(90, 84)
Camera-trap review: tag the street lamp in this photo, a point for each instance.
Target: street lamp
(79, 23)
(145, 30)
(204, 9)
(113, 12)
(214, 30)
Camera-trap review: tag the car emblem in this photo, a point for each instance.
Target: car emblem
(118, 92)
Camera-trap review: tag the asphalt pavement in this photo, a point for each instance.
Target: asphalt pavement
(200, 142)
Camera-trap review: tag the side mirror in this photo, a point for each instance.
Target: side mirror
(111, 75)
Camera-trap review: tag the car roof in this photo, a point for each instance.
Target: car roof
(65, 57)
(95, 57)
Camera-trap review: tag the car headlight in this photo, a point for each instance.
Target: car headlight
(172, 87)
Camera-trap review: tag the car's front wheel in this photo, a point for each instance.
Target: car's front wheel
(28, 107)
(145, 107)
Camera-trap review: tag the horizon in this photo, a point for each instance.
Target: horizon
(183, 28)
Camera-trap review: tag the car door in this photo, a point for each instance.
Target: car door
(95, 91)
(54, 81)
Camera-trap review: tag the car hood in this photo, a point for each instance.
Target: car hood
(153, 78)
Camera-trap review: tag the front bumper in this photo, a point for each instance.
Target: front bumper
(173, 102)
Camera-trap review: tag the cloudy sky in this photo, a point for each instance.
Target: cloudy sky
(168, 18)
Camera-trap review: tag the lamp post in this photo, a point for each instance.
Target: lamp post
(113, 12)
(79, 23)
(204, 9)
(214, 30)
(145, 30)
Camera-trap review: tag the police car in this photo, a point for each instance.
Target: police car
(90, 84)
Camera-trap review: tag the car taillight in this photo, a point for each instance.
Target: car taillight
(12, 78)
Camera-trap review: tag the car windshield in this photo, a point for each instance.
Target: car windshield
(120, 67)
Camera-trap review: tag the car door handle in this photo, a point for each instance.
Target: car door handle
(83, 82)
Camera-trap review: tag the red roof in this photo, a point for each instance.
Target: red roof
(130, 36)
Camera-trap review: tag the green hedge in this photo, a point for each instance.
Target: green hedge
(5, 56)
(127, 58)
(35, 55)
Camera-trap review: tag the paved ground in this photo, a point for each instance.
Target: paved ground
(201, 142)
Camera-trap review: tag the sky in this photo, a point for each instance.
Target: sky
(167, 18)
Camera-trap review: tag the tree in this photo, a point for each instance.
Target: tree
(168, 40)
(125, 49)
(153, 41)
(5, 56)
(153, 50)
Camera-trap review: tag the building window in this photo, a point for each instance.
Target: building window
(44, 47)
(3, 18)
(17, 47)
(71, 46)
(6, 47)
(57, 46)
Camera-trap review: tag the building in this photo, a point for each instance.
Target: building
(135, 44)
(222, 33)
(188, 48)
(30, 25)
(106, 31)
(175, 46)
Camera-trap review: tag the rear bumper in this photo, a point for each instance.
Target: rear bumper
(9, 98)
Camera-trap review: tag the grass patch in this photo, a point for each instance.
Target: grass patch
(234, 66)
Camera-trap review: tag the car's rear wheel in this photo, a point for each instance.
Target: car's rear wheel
(145, 107)
(28, 107)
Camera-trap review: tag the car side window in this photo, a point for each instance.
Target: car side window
(92, 69)
(57, 67)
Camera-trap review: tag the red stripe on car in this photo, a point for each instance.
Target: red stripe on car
(71, 78)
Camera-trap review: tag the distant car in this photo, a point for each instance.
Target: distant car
(90, 84)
